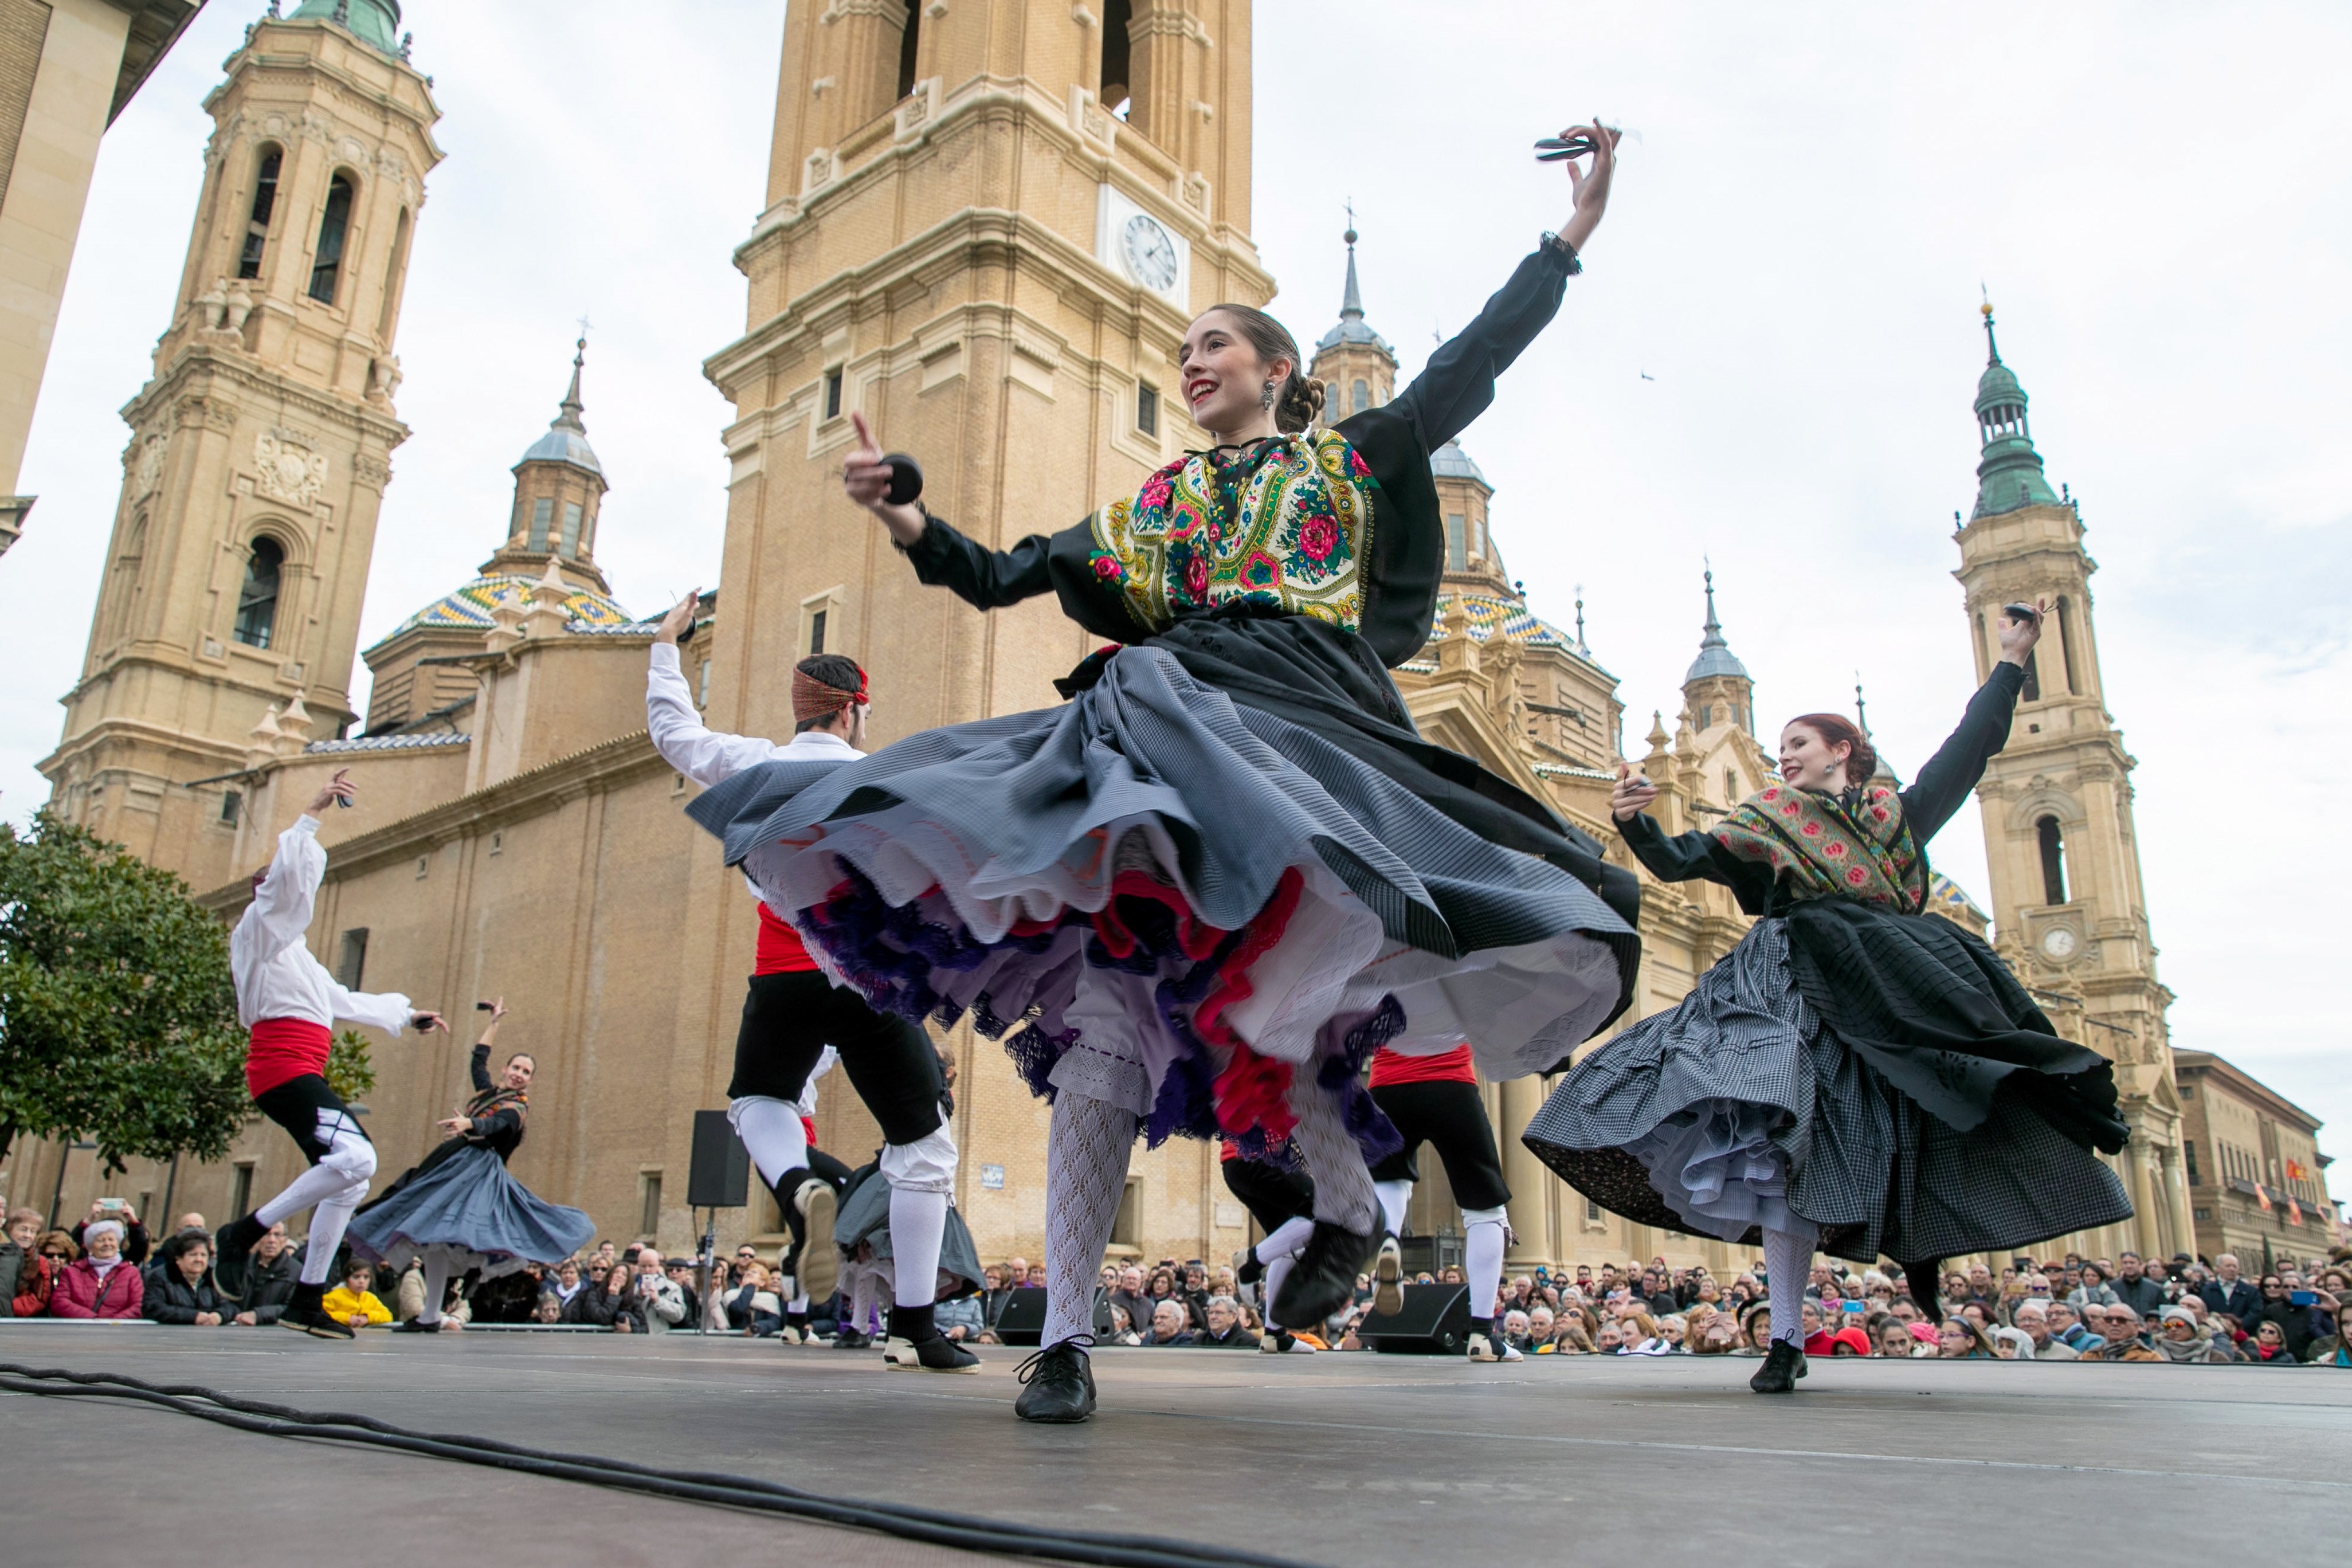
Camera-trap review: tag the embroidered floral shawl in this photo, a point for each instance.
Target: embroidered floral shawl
(489, 1101)
(1824, 848)
(1284, 522)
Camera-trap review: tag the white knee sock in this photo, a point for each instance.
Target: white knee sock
(1789, 1255)
(1483, 1234)
(919, 1224)
(1394, 1196)
(771, 1134)
(436, 1288)
(328, 1221)
(1275, 1273)
(1087, 1154)
(316, 1185)
(1283, 1245)
(1343, 1183)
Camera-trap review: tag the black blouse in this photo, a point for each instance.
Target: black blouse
(501, 1130)
(1942, 785)
(1405, 553)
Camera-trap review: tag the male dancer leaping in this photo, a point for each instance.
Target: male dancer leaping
(290, 1003)
(1283, 1203)
(1436, 1099)
(794, 1012)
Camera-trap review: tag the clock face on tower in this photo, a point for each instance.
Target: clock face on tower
(2058, 945)
(1148, 251)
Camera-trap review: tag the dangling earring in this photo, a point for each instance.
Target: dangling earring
(1265, 398)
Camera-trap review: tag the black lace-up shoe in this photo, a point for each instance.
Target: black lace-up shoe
(1323, 1280)
(1783, 1364)
(1058, 1385)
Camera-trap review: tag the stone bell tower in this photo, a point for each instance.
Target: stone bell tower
(2059, 840)
(988, 224)
(260, 449)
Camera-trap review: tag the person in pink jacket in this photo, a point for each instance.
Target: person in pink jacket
(100, 1283)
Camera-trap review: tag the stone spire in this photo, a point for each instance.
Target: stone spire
(559, 492)
(1357, 365)
(1715, 655)
(2009, 475)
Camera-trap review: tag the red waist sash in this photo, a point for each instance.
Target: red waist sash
(283, 1049)
(781, 950)
(1447, 1066)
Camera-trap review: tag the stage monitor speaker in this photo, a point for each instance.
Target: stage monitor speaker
(1436, 1322)
(720, 1176)
(1022, 1321)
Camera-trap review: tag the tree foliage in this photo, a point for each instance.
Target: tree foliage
(351, 1071)
(117, 1018)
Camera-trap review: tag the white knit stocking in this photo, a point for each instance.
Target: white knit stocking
(1343, 1183)
(1086, 1153)
(1789, 1255)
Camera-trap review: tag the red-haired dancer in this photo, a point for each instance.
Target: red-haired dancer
(1856, 1074)
(290, 1003)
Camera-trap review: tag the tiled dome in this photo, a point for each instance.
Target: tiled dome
(1488, 611)
(469, 607)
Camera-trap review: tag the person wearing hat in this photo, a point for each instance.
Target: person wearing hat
(101, 1283)
(2178, 1337)
(792, 1012)
(289, 1002)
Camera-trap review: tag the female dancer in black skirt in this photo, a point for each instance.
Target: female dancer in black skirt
(457, 1208)
(1856, 1074)
(1200, 895)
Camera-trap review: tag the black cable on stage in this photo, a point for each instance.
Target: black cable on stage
(966, 1532)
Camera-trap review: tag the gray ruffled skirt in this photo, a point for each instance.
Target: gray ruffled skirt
(465, 1208)
(1738, 1110)
(1168, 901)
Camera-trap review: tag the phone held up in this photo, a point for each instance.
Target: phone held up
(481, 1007)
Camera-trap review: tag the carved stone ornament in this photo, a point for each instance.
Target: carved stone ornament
(149, 472)
(287, 470)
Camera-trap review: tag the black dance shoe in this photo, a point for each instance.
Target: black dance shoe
(1058, 1385)
(1783, 1364)
(418, 1326)
(305, 1315)
(851, 1340)
(232, 1248)
(1247, 1269)
(1388, 1278)
(819, 1269)
(938, 1354)
(1323, 1280)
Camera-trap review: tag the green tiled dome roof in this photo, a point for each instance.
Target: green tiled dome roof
(468, 608)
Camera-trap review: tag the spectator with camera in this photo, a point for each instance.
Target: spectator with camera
(2302, 1316)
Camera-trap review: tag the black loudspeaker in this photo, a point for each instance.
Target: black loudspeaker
(1022, 1321)
(720, 1176)
(1436, 1322)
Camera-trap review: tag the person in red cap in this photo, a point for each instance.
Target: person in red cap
(792, 1012)
(290, 1003)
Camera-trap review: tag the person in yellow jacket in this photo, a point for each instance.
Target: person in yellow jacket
(353, 1302)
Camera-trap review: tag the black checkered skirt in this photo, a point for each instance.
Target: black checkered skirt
(1877, 1173)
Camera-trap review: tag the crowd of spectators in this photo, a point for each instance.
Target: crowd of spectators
(2074, 1308)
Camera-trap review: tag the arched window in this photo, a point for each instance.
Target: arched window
(2033, 692)
(1359, 397)
(327, 264)
(257, 602)
(257, 223)
(2054, 860)
(1117, 56)
(542, 513)
(908, 39)
(1458, 538)
(570, 543)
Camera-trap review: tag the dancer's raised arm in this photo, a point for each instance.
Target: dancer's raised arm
(1459, 383)
(1947, 778)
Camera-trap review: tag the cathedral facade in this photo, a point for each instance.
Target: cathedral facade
(986, 226)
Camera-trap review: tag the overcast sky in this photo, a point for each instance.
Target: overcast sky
(2153, 193)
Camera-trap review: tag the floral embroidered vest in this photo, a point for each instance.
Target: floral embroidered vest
(1282, 522)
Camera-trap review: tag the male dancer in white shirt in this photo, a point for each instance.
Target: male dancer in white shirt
(288, 1002)
(794, 1012)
